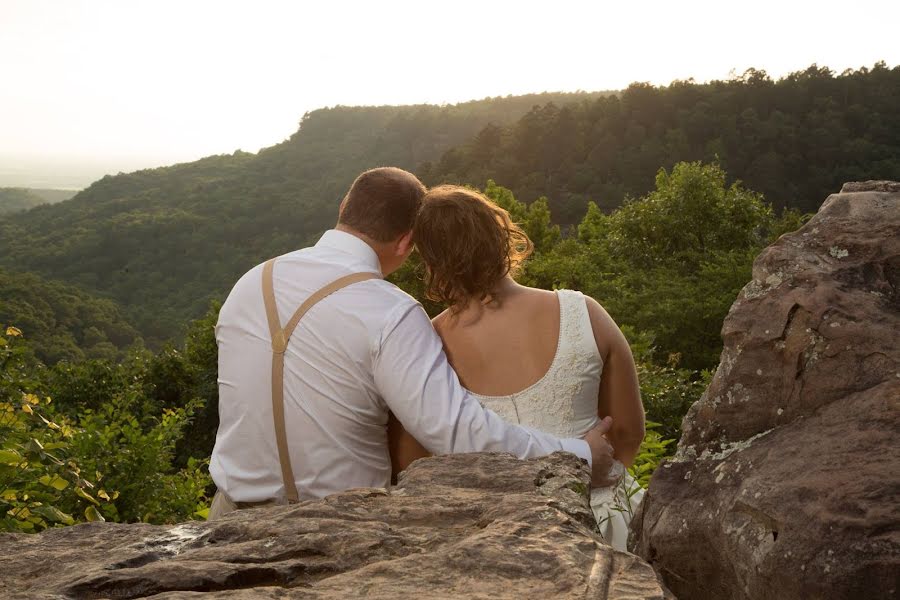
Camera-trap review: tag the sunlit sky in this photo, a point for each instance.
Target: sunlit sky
(117, 84)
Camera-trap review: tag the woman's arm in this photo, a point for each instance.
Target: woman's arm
(620, 395)
(404, 447)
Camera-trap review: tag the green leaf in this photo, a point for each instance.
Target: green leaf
(26, 526)
(92, 514)
(10, 457)
(56, 482)
(83, 494)
(202, 514)
(54, 515)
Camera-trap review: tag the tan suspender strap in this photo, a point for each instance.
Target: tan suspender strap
(268, 289)
(280, 339)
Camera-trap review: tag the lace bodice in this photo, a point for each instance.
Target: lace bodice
(564, 401)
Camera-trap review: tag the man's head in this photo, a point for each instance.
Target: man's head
(381, 208)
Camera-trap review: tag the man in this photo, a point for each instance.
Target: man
(303, 412)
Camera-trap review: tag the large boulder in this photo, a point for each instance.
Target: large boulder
(465, 526)
(786, 481)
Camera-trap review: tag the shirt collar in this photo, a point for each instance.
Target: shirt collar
(350, 244)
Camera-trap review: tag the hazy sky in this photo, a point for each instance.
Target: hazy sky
(134, 82)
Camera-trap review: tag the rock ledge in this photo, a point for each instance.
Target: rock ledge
(463, 526)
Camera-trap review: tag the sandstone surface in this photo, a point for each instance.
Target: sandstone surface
(786, 482)
(464, 526)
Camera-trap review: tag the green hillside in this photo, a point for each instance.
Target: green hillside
(19, 199)
(796, 140)
(62, 322)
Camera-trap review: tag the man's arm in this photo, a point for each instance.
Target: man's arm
(415, 378)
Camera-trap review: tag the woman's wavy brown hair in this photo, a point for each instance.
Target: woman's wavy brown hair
(468, 244)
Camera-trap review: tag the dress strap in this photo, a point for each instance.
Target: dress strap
(576, 325)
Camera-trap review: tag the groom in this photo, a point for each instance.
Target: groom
(304, 394)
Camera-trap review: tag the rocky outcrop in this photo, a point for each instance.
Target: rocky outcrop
(786, 482)
(465, 526)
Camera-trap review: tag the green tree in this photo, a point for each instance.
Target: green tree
(691, 216)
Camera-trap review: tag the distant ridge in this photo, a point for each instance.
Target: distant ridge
(18, 199)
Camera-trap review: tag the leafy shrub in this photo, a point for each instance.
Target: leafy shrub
(138, 460)
(666, 390)
(53, 459)
(653, 450)
(41, 480)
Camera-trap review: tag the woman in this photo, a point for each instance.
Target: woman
(532, 356)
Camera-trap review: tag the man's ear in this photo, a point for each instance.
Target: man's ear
(404, 244)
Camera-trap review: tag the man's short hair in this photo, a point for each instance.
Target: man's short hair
(382, 203)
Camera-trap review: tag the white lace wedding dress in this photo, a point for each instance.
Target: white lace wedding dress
(564, 402)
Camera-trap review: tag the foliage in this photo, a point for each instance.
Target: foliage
(176, 378)
(62, 321)
(653, 450)
(667, 391)
(138, 460)
(534, 218)
(107, 455)
(670, 263)
(691, 216)
(41, 481)
(172, 379)
(19, 199)
(795, 140)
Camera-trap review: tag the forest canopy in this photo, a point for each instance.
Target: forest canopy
(796, 140)
(62, 321)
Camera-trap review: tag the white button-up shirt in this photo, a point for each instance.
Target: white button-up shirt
(363, 351)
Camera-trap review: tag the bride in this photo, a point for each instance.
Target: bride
(554, 361)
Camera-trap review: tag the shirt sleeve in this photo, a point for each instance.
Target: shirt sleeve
(415, 379)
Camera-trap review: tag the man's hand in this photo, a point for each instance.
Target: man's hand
(603, 473)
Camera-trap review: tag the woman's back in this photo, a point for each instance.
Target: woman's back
(533, 359)
(557, 387)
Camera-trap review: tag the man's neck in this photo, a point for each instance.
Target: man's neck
(377, 247)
